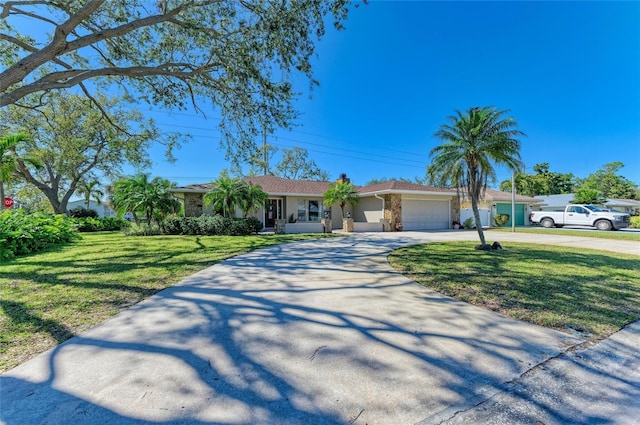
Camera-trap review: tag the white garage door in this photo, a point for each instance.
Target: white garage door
(423, 215)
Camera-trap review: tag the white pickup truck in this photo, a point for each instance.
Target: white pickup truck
(581, 215)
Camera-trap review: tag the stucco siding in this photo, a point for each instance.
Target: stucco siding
(368, 210)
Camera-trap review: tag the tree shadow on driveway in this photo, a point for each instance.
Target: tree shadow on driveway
(320, 332)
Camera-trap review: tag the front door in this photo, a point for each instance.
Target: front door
(273, 212)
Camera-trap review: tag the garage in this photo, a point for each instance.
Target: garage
(420, 214)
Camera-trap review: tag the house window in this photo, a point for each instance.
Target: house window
(309, 210)
(302, 210)
(314, 210)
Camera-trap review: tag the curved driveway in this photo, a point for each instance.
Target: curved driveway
(314, 332)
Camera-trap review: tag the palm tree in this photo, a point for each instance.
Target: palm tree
(127, 194)
(226, 195)
(89, 190)
(165, 203)
(252, 198)
(342, 193)
(138, 194)
(474, 141)
(8, 159)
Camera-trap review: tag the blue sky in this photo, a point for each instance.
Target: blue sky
(569, 72)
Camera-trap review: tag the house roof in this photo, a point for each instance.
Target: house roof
(567, 198)
(496, 195)
(556, 200)
(280, 186)
(492, 195)
(630, 203)
(274, 185)
(395, 186)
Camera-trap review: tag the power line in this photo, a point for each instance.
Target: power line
(293, 131)
(304, 142)
(282, 145)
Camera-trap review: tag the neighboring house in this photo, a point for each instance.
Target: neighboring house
(497, 202)
(629, 206)
(398, 205)
(555, 202)
(559, 202)
(103, 210)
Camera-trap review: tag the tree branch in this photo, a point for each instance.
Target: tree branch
(17, 72)
(34, 16)
(30, 48)
(70, 78)
(6, 7)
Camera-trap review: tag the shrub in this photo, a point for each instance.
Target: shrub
(216, 225)
(635, 222)
(501, 219)
(81, 212)
(87, 224)
(23, 233)
(109, 224)
(172, 226)
(143, 229)
(469, 223)
(254, 224)
(100, 224)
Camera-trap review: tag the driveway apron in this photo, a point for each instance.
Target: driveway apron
(314, 332)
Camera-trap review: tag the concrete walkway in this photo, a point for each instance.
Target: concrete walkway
(317, 332)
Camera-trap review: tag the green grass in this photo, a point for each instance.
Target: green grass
(587, 233)
(552, 286)
(48, 297)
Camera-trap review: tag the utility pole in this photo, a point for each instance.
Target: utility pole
(513, 201)
(264, 149)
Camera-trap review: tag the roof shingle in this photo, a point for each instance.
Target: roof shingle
(280, 186)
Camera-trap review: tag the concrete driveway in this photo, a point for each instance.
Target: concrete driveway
(315, 332)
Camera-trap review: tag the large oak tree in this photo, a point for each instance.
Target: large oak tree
(75, 143)
(241, 55)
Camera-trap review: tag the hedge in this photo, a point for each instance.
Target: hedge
(216, 225)
(100, 224)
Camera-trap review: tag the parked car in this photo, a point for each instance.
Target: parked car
(581, 215)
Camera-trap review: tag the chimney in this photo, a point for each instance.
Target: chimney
(343, 178)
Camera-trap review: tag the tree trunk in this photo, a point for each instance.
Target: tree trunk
(2, 195)
(476, 216)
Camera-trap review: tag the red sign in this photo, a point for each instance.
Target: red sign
(8, 202)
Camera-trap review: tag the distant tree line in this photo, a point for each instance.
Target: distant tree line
(604, 184)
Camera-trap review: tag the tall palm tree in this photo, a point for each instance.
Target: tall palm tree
(89, 190)
(342, 193)
(8, 159)
(226, 195)
(474, 141)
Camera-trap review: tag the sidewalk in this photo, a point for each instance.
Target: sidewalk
(594, 385)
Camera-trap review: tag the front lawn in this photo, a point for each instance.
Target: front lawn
(620, 235)
(48, 297)
(559, 287)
